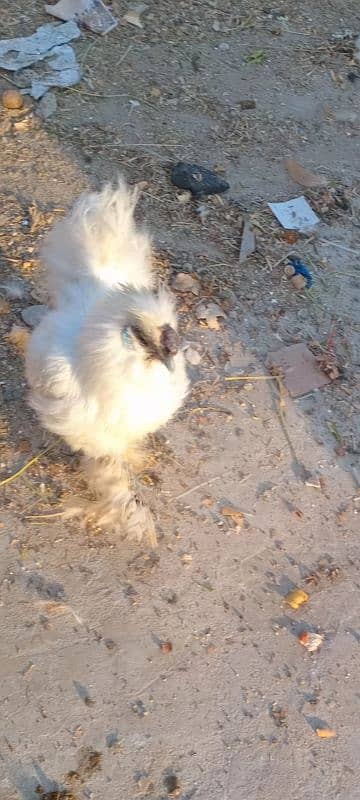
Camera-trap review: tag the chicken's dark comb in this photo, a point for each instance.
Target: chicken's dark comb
(169, 340)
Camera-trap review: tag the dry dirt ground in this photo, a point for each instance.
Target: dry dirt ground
(89, 684)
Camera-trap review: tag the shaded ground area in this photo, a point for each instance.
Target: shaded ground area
(130, 674)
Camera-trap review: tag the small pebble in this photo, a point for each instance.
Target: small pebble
(12, 99)
(298, 282)
(192, 356)
(185, 282)
(166, 647)
(172, 785)
(47, 105)
(14, 290)
(32, 315)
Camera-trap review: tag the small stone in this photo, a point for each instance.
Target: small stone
(172, 785)
(247, 105)
(298, 282)
(166, 647)
(184, 197)
(47, 106)
(209, 313)
(12, 99)
(192, 356)
(4, 306)
(185, 282)
(14, 290)
(155, 92)
(32, 315)
(197, 180)
(138, 708)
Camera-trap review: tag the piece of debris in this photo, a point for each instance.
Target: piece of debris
(296, 598)
(133, 14)
(248, 242)
(198, 180)
(18, 336)
(138, 708)
(291, 237)
(295, 214)
(303, 176)
(32, 315)
(246, 105)
(203, 212)
(56, 609)
(299, 369)
(172, 784)
(356, 55)
(257, 57)
(92, 14)
(15, 54)
(234, 514)
(185, 282)
(166, 647)
(325, 733)
(298, 282)
(57, 794)
(12, 99)
(5, 308)
(184, 197)
(192, 356)
(47, 106)
(14, 289)
(312, 641)
(89, 763)
(279, 715)
(186, 559)
(49, 42)
(113, 741)
(209, 313)
(297, 268)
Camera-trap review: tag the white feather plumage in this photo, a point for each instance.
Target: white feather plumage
(92, 382)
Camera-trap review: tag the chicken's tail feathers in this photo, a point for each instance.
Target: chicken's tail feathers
(99, 241)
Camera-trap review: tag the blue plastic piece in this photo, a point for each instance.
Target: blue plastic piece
(300, 269)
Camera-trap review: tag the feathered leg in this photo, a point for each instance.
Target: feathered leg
(116, 505)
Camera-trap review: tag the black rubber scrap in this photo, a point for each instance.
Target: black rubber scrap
(198, 180)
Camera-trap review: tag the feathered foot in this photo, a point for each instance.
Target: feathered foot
(116, 505)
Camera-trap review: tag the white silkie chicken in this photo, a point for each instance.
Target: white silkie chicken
(104, 364)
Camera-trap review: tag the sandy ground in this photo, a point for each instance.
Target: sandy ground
(124, 673)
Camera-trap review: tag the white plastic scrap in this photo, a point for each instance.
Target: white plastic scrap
(296, 214)
(50, 41)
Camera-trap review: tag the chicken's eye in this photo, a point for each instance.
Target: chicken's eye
(126, 338)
